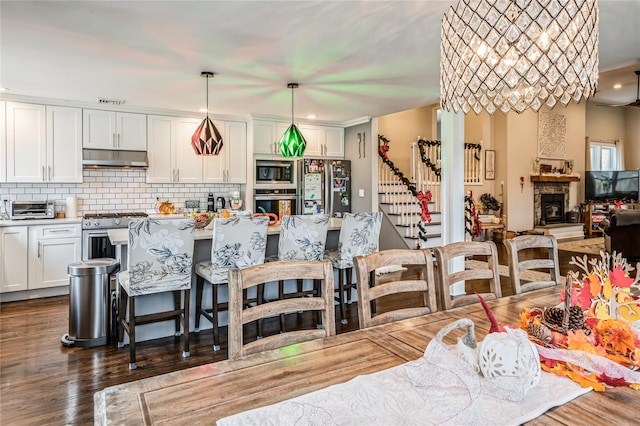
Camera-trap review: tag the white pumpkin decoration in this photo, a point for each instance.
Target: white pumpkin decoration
(510, 354)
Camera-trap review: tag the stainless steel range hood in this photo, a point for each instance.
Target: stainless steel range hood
(114, 158)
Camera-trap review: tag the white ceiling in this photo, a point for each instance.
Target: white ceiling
(352, 58)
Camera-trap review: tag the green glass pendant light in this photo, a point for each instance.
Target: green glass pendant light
(292, 143)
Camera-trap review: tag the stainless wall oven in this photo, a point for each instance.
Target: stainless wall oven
(275, 173)
(278, 201)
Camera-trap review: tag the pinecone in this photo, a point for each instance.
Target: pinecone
(553, 318)
(540, 332)
(576, 320)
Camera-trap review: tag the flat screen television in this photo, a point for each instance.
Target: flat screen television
(611, 185)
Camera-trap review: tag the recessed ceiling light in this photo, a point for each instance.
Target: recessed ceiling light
(3, 89)
(311, 116)
(202, 110)
(617, 86)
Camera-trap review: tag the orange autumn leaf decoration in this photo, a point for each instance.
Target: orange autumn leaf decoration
(594, 285)
(616, 336)
(579, 341)
(608, 298)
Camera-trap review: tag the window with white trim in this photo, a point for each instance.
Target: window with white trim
(603, 156)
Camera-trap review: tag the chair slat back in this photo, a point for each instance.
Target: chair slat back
(303, 237)
(243, 279)
(160, 252)
(515, 248)
(238, 242)
(371, 291)
(447, 276)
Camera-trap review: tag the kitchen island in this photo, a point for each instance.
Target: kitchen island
(202, 252)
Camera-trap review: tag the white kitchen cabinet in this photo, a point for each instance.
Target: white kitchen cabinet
(14, 258)
(230, 166)
(322, 141)
(51, 249)
(114, 130)
(3, 145)
(161, 149)
(64, 144)
(333, 142)
(188, 166)
(26, 142)
(44, 143)
(264, 137)
(171, 157)
(312, 136)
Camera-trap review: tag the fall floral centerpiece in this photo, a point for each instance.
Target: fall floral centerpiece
(594, 338)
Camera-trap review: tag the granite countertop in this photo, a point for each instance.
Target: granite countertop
(30, 222)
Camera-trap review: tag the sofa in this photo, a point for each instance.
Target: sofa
(622, 233)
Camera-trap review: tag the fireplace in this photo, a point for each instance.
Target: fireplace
(551, 208)
(557, 208)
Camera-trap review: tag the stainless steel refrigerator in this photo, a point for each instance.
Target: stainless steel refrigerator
(324, 186)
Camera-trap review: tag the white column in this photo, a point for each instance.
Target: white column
(452, 201)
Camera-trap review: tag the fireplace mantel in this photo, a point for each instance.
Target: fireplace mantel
(555, 178)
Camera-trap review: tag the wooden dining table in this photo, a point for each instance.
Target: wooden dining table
(204, 394)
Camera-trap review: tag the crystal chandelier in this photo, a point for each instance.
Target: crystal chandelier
(292, 144)
(518, 54)
(206, 140)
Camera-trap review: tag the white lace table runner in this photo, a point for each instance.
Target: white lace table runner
(404, 395)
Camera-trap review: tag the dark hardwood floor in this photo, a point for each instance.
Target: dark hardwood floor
(42, 382)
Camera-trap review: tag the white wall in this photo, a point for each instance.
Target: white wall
(404, 128)
(632, 138)
(361, 165)
(521, 146)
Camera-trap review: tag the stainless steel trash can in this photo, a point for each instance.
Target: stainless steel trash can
(89, 302)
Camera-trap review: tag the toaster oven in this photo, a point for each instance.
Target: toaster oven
(21, 209)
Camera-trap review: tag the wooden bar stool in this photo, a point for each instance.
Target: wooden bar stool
(302, 237)
(359, 236)
(238, 242)
(159, 259)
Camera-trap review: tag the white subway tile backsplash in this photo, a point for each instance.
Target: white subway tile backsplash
(116, 190)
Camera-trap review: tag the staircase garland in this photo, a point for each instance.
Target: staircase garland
(427, 161)
(476, 146)
(423, 155)
(424, 198)
(472, 225)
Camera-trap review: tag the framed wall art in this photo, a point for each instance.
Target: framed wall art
(489, 164)
(552, 132)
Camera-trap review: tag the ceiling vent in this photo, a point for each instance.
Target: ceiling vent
(103, 101)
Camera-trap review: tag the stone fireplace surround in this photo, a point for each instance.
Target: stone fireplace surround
(540, 188)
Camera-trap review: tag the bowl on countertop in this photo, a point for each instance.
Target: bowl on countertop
(202, 219)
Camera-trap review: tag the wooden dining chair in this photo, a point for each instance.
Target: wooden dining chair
(160, 260)
(369, 291)
(522, 277)
(459, 251)
(359, 236)
(240, 314)
(237, 242)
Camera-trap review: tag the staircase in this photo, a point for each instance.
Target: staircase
(402, 209)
